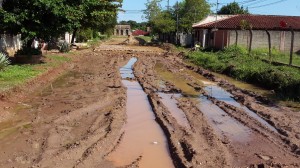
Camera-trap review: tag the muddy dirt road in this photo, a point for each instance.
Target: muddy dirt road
(138, 106)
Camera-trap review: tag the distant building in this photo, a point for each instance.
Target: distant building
(122, 30)
(140, 33)
(225, 30)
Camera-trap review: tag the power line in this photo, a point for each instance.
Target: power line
(240, 2)
(254, 3)
(267, 4)
(247, 1)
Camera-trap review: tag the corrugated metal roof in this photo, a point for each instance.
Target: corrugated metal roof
(211, 19)
(257, 22)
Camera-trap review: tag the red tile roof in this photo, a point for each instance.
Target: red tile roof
(258, 22)
(139, 33)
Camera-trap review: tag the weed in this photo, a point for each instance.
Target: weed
(4, 62)
(64, 46)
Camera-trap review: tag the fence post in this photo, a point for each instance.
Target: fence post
(292, 46)
(251, 37)
(236, 37)
(269, 42)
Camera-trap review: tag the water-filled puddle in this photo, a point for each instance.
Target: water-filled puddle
(222, 95)
(126, 71)
(142, 135)
(223, 123)
(64, 81)
(171, 103)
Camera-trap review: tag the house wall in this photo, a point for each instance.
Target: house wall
(185, 39)
(121, 30)
(220, 39)
(10, 44)
(68, 37)
(280, 40)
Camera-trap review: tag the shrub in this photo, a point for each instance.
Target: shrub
(4, 61)
(29, 51)
(235, 50)
(85, 35)
(63, 46)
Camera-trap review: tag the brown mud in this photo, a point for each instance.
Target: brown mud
(83, 115)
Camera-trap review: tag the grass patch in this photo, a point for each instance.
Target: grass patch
(15, 75)
(277, 56)
(235, 62)
(145, 38)
(59, 59)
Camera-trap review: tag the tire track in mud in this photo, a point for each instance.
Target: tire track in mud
(75, 120)
(140, 129)
(186, 148)
(264, 108)
(271, 137)
(79, 148)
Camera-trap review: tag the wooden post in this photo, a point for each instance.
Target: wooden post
(73, 36)
(269, 42)
(236, 40)
(251, 37)
(236, 37)
(292, 46)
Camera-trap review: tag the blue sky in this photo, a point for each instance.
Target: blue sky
(286, 7)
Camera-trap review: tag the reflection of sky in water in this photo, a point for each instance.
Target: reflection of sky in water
(126, 71)
(171, 103)
(223, 123)
(222, 95)
(141, 129)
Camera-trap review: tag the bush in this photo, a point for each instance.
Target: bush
(63, 46)
(85, 35)
(29, 51)
(4, 61)
(235, 50)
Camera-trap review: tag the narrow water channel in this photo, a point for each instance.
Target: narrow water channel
(224, 124)
(143, 137)
(171, 103)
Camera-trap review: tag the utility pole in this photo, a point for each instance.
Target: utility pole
(217, 10)
(177, 22)
(168, 5)
(215, 29)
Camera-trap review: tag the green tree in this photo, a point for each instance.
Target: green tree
(191, 11)
(164, 23)
(51, 18)
(232, 9)
(95, 14)
(153, 8)
(34, 18)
